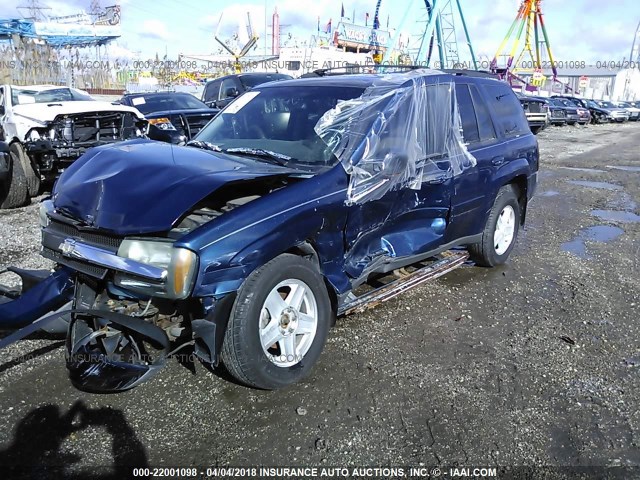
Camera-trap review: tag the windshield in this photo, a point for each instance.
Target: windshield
(279, 120)
(22, 96)
(250, 81)
(606, 104)
(159, 103)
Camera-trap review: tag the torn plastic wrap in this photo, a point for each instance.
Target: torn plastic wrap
(403, 131)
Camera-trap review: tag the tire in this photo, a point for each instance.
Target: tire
(535, 130)
(13, 189)
(487, 253)
(29, 168)
(251, 324)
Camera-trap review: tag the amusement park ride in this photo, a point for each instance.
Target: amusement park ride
(530, 22)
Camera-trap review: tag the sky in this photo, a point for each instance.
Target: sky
(579, 30)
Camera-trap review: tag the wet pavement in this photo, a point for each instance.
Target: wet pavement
(536, 362)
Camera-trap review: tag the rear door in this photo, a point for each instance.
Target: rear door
(468, 209)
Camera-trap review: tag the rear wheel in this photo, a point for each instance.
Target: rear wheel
(13, 188)
(278, 325)
(500, 231)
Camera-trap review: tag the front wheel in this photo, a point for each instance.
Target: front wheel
(500, 231)
(278, 325)
(13, 187)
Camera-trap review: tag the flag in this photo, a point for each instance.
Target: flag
(318, 23)
(387, 22)
(327, 29)
(366, 19)
(342, 11)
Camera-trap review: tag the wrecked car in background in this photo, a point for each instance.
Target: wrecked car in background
(173, 117)
(301, 201)
(47, 127)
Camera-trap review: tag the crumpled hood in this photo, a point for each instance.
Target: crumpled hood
(141, 186)
(46, 112)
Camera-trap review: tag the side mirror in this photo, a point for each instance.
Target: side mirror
(211, 104)
(4, 147)
(231, 92)
(394, 165)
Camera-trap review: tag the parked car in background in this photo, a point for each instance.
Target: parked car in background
(570, 110)
(248, 244)
(597, 114)
(634, 111)
(48, 127)
(174, 117)
(536, 111)
(557, 113)
(220, 92)
(615, 114)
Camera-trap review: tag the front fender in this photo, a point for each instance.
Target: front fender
(309, 211)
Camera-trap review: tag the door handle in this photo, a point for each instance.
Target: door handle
(497, 161)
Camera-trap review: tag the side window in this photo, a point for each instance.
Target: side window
(467, 114)
(212, 91)
(486, 130)
(511, 120)
(227, 83)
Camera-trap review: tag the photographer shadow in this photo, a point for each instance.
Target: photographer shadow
(36, 450)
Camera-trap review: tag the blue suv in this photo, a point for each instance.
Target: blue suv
(301, 201)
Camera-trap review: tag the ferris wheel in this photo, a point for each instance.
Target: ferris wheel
(529, 22)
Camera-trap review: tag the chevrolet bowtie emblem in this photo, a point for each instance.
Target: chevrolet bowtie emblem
(67, 247)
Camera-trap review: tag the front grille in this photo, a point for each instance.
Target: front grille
(86, 268)
(111, 242)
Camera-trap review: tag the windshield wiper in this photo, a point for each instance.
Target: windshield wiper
(203, 145)
(272, 157)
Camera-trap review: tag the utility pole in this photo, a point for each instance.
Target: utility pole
(34, 9)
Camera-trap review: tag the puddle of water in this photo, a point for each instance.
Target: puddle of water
(600, 185)
(601, 233)
(626, 168)
(587, 170)
(597, 233)
(616, 216)
(549, 193)
(577, 247)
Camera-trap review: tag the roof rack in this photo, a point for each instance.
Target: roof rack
(367, 68)
(358, 68)
(470, 73)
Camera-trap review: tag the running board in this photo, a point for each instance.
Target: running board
(447, 261)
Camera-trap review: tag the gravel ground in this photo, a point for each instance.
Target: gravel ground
(533, 363)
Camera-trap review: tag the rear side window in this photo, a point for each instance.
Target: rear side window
(485, 125)
(511, 120)
(467, 114)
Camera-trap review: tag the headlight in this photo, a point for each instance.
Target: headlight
(180, 265)
(45, 208)
(154, 252)
(162, 123)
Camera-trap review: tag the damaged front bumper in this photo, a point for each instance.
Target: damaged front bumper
(42, 292)
(109, 352)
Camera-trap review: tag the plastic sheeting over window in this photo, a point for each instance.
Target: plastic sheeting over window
(403, 131)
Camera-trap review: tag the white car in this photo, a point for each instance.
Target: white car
(634, 112)
(47, 127)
